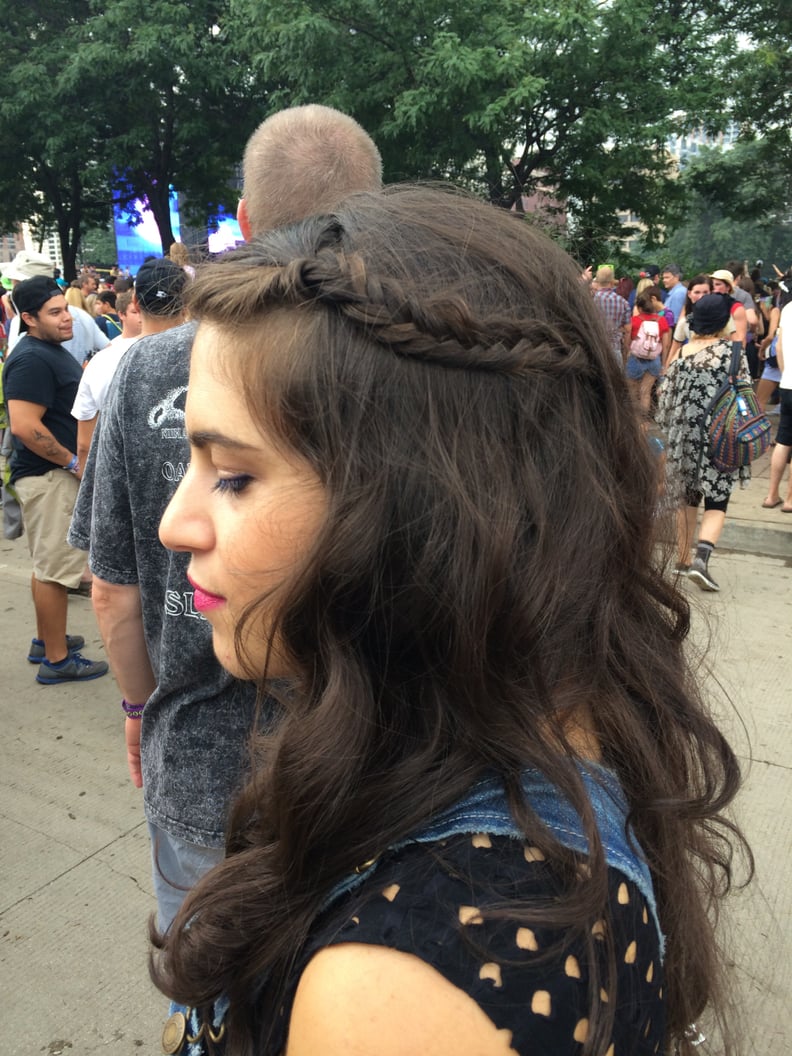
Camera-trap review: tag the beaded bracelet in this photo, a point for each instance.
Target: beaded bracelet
(132, 711)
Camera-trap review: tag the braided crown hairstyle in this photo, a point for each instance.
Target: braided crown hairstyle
(487, 570)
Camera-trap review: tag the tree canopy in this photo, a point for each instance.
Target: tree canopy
(174, 108)
(113, 100)
(575, 96)
(48, 163)
(109, 102)
(736, 204)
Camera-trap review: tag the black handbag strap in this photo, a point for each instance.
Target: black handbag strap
(736, 356)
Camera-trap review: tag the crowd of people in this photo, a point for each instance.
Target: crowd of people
(754, 303)
(674, 340)
(373, 536)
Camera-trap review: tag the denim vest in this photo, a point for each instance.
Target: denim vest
(485, 810)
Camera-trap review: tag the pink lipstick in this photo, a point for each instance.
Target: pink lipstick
(203, 600)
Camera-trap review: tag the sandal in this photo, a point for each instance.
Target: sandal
(770, 505)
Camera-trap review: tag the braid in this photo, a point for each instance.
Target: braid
(436, 329)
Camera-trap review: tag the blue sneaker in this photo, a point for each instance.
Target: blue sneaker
(75, 668)
(74, 642)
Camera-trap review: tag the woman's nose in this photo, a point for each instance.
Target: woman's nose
(186, 524)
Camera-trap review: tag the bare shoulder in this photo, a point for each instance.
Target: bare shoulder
(359, 1000)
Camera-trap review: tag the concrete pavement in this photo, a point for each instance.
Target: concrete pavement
(749, 527)
(75, 889)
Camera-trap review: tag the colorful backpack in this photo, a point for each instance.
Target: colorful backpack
(735, 427)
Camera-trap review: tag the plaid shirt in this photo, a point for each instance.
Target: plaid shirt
(616, 313)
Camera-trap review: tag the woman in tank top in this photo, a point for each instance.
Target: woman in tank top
(420, 510)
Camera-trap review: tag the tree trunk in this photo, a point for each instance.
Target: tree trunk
(494, 170)
(65, 201)
(159, 203)
(69, 253)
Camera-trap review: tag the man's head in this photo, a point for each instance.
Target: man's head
(722, 281)
(671, 275)
(105, 302)
(159, 288)
(129, 314)
(302, 161)
(604, 277)
(650, 271)
(124, 301)
(88, 284)
(42, 309)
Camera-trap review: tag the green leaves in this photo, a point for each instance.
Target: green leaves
(577, 96)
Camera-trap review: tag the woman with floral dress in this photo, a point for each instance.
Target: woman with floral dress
(692, 381)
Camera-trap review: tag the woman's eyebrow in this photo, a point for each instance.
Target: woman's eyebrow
(204, 438)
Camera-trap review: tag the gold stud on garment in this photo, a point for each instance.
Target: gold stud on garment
(366, 865)
(173, 1034)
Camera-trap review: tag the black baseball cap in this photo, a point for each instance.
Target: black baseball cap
(159, 286)
(30, 295)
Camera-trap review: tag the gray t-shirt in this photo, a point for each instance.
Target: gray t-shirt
(196, 724)
(743, 297)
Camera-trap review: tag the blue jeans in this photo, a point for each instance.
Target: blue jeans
(636, 368)
(176, 867)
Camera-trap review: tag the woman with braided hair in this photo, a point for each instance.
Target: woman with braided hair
(490, 817)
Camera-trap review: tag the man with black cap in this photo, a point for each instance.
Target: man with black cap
(40, 381)
(159, 289)
(157, 307)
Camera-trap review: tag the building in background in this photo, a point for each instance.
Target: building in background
(11, 243)
(48, 245)
(24, 237)
(682, 149)
(686, 147)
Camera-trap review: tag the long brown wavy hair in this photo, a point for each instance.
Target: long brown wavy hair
(487, 571)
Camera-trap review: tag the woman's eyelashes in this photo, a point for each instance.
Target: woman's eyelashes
(232, 485)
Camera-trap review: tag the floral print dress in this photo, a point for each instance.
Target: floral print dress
(690, 385)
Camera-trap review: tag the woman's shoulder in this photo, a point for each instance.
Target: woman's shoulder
(354, 998)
